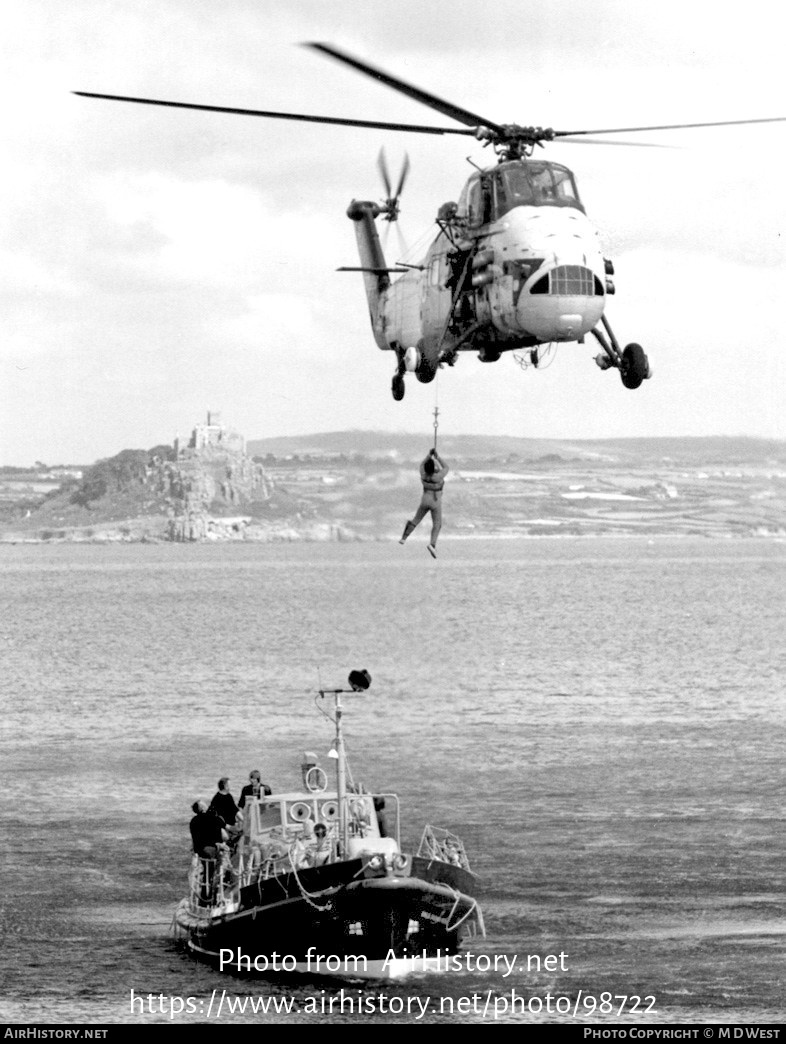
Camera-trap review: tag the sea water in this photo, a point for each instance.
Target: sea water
(601, 721)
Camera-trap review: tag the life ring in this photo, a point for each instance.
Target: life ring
(330, 811)
(299, 811)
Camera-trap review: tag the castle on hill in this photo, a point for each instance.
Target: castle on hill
(211, 436)
(216, 478)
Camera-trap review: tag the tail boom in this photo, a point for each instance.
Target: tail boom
(375, 275)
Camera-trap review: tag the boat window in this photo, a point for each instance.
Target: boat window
(269, 816)
(533, 183)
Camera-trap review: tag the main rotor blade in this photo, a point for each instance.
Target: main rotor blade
(628, 144)
(375, 124)
(469, 119)
(671, 126)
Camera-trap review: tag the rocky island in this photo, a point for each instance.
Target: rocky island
(206, 488)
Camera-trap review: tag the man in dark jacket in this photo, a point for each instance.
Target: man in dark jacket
(223, 804)
(207, 831)
(255, 788)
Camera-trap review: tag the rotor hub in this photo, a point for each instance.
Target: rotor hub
(512, 141)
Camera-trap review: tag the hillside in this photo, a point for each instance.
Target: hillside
(364, 485)
(520, 487)
(716, 450)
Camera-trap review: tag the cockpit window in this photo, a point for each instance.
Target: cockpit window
(564, 185)
(474, 203)
(478, 201)
(533, 183)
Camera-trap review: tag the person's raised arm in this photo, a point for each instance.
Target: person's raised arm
(444, 467)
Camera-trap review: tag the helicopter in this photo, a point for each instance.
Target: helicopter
(516, 264)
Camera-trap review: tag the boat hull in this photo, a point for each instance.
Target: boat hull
(334, 921)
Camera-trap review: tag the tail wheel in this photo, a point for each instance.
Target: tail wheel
(397, 387)
(634, 367)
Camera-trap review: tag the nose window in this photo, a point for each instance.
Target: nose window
(569, 281)
(572, 280)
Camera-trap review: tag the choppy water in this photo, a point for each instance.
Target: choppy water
(602, 721)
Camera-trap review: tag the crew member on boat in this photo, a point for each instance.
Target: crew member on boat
(253, 788)
(223, 804)
(207, 833)
(322, 848)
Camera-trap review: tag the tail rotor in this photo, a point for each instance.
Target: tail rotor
(390, 207)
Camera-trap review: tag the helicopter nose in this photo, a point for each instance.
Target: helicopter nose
(554, 318)
(569, 325)
(561, 304)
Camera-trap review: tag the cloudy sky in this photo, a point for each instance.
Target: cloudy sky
(155, 263)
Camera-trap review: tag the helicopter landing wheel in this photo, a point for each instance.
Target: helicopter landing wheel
(397, 387)
(634, 367)
(425, 373)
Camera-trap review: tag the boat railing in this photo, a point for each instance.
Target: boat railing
(284, 850)
(212, 882)
(443, 846)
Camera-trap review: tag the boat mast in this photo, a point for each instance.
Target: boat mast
(341, 778)
(359, 682)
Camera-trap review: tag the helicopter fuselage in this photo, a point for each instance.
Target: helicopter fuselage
(516, 264)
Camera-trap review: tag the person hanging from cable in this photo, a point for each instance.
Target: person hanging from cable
(432, 474)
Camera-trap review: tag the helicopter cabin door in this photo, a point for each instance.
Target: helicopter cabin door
(437, 297)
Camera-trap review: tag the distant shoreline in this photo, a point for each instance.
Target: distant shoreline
(11, 539)
(362, 488)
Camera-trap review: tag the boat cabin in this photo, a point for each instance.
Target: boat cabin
(490, 194)
(283, 826)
